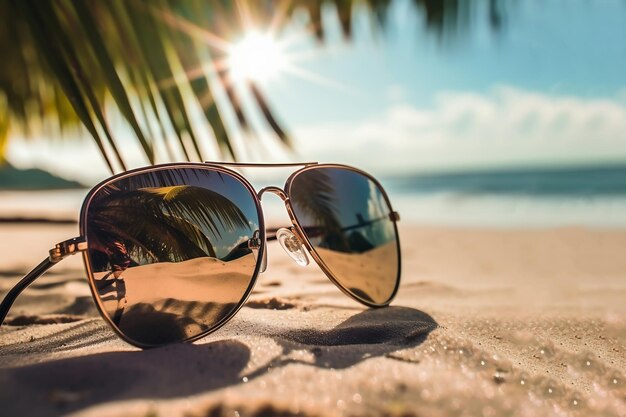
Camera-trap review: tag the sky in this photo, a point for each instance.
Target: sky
(548, 90)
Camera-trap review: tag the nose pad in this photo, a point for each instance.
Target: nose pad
(264, 260)
(292, 245)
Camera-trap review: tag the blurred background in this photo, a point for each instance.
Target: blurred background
(488, 113)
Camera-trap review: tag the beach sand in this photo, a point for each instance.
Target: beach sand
(486, 323)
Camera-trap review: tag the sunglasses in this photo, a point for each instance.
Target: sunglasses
(173, 251)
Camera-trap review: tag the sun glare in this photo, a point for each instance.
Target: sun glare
(256, 57)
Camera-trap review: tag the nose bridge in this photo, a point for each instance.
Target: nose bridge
(274, 190)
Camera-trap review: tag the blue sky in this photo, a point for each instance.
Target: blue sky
(550, 89)
(559, 47)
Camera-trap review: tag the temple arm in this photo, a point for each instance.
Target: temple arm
(57, 254)
(6, 304)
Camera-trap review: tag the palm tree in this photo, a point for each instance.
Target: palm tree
(69, 58)
(140, 224)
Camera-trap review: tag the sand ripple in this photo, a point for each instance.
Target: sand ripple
(486, 323)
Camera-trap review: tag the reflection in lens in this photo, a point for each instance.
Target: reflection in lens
(347, 220)
(169, 251)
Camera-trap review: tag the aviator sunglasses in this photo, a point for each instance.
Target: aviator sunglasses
(173, 251)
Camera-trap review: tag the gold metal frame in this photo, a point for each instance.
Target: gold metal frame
(81, 244)
(201, 166)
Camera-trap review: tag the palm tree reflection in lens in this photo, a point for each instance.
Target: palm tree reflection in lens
(169, 251)
(346, 218)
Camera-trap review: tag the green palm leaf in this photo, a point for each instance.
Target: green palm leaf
(163, 223)
(68, 57)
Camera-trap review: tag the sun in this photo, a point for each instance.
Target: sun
(258, 56)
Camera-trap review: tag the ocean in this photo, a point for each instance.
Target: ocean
(587, 197)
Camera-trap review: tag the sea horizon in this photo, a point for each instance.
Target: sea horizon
(532, 197)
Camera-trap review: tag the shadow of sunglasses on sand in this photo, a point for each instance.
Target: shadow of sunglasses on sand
(365, 335)
(186, 369)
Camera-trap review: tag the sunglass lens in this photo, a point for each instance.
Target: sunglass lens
(170, 251)
(347, 219)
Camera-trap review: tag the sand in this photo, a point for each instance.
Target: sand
(486, 323)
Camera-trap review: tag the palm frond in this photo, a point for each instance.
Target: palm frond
(68, 57)
(161, 238)
(113, 80)
(171, 223)
(200, 205)
(313, 194)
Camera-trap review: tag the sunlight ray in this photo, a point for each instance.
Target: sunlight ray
(193, 30)
(186, 75)
(257, 56)
(245, 16)
(280, 16)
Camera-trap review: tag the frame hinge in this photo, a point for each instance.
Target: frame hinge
(394, 216)
(67, 248)
(255, 241)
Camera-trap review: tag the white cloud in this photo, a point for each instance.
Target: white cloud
(500, 127)
(504, 126)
